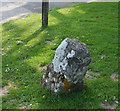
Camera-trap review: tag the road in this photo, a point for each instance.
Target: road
(15, 10)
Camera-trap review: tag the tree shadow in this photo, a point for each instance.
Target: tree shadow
(27, 79)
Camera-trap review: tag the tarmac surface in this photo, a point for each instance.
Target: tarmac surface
(15, 10)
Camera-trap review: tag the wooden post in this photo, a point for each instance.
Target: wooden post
(45, 9)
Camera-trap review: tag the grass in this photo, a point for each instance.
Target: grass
(24, 50)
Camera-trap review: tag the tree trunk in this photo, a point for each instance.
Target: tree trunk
(45, 8)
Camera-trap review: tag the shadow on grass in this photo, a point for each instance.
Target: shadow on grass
(23, 71)
(27, 78)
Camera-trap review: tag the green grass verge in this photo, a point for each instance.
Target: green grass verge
(24, 50)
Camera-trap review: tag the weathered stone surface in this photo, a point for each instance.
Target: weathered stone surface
(68, 68)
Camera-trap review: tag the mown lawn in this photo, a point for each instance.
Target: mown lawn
(26, 48)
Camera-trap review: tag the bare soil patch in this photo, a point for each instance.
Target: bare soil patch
(4, 90)
(67, 9)
(19, 41)
(48, 41)
(108, 106)
(91, 75)
(114, 76)
(23, 107)
(43, 67)
(102, 56)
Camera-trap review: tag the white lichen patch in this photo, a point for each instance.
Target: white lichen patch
(49, 75)
(43, 76)
(67, 78)
(55, 90)
(70, 55)
(46, 80)
(64, 63)
(54, 79)
(58, 61)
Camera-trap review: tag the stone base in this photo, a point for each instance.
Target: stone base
(79, 87)
(75, 87)
(67, 70)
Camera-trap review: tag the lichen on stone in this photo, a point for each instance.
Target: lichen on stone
(68, 68)
(66, 85)
(59, 56)
(70, 55)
